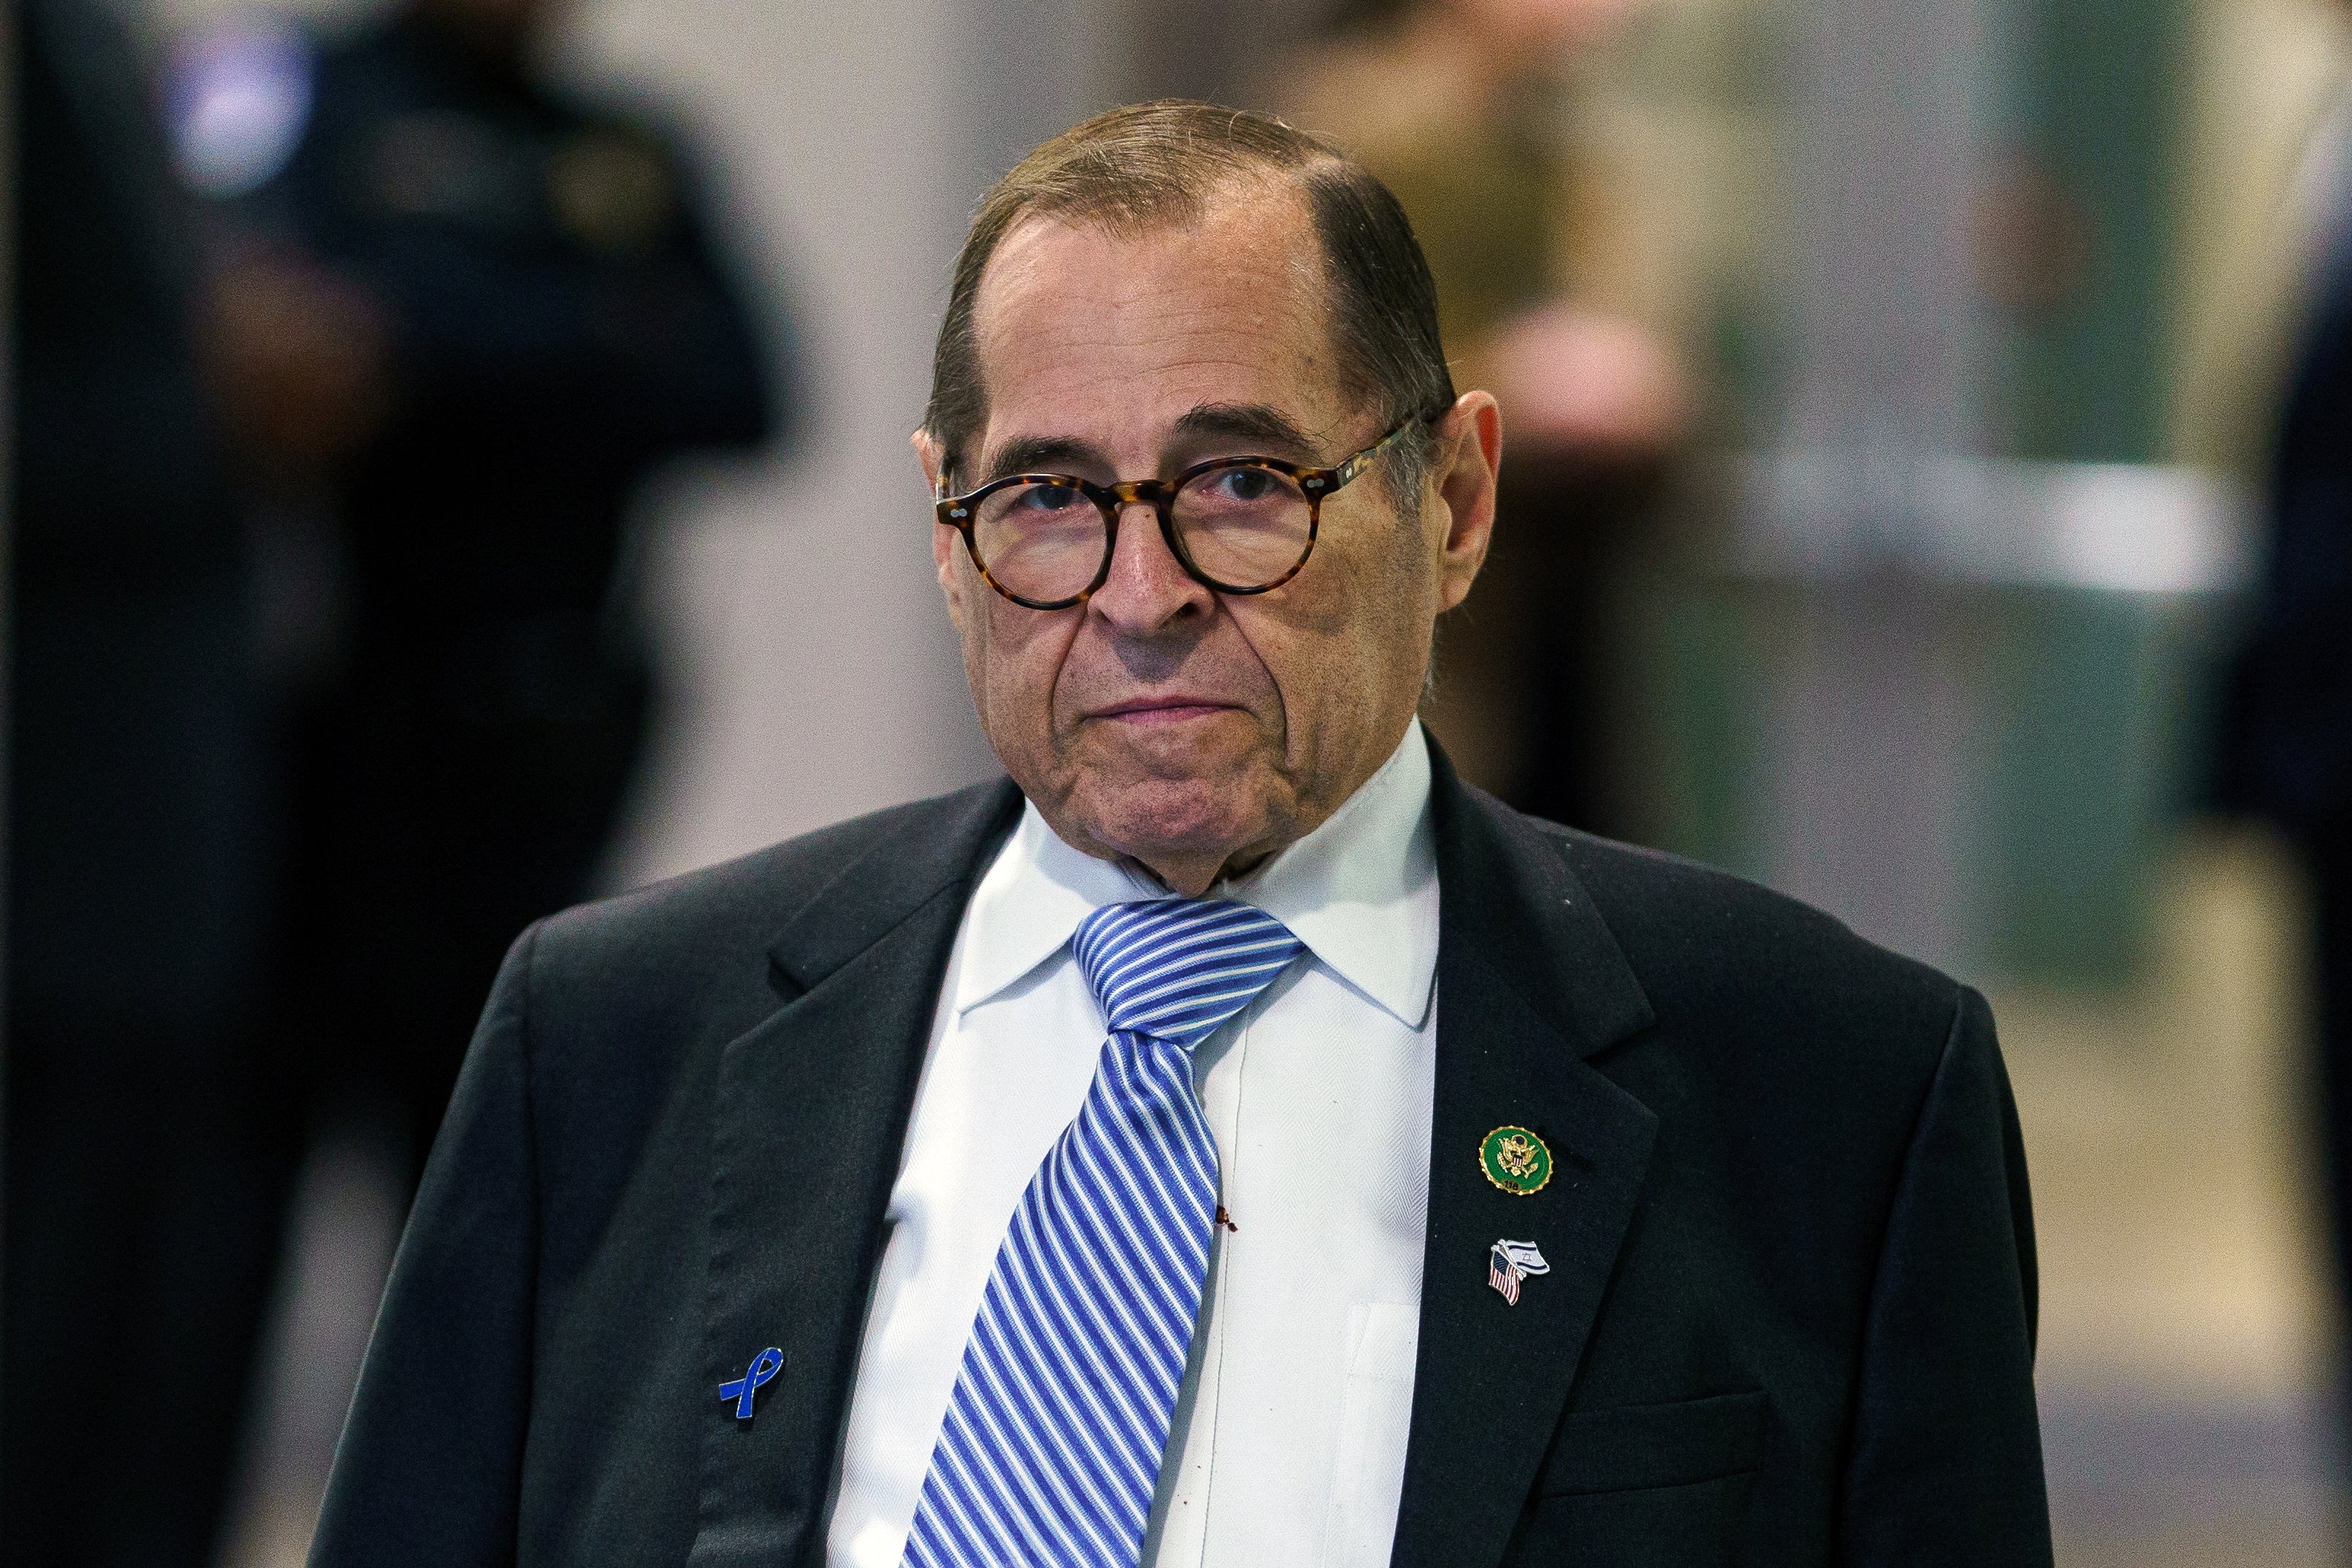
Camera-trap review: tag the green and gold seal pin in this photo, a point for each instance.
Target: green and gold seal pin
(1515, 1160)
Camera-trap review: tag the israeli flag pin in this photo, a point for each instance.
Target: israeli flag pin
(1508, 1264)
(763, 1367)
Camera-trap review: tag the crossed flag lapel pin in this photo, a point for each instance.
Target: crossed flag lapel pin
(1509, 1263)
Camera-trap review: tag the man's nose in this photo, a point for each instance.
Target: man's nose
(1147, 587)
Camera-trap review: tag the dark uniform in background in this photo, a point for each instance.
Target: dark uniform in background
(542, 320)
(425, 357)
(139, 1129)
(2287, 749)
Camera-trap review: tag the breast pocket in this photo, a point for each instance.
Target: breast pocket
(1651, 1486)
(1375, 1417)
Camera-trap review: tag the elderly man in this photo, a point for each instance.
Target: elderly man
(1230, 1139)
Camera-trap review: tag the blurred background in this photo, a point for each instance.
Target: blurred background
(459, 465)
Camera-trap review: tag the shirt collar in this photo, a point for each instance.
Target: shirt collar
(1360, 891)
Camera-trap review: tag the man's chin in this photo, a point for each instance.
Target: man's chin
(1157, 821)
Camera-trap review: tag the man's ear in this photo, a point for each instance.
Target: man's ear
(1469, 441)
(933, 458)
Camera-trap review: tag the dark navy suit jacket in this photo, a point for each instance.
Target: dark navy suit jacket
(1789, 1318)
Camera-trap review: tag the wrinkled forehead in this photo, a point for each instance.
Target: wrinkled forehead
(1116, 331)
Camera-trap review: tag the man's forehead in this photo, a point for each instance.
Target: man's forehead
(1243, 221)
(1229, 307)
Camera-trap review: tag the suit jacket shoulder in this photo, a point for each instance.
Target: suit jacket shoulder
(616, 992)
(1715, 951)
(689, 938)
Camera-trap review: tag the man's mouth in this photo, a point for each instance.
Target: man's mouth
(1171, 709)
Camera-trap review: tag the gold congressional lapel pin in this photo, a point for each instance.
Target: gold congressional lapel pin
(1515, 1160)
(1509, 1263)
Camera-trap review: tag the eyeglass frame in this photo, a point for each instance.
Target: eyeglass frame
(1112, 500)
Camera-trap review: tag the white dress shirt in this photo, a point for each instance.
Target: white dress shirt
(1289, 1436)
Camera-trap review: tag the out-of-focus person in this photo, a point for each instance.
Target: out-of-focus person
(139, 1125)
(1469, 110)
(2287, 737)
(454, 329)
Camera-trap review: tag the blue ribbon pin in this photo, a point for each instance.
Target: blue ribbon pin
(769, 1362)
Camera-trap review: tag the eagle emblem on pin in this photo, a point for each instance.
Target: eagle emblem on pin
(1515, 1160)
(1510, 1263)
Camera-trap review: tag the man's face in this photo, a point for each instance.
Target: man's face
(1160, 720)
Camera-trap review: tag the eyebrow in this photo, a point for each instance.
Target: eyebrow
(1041, 454)
(1254, 422)
(1257, 428)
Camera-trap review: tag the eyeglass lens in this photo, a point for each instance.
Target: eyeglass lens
(1243, 527)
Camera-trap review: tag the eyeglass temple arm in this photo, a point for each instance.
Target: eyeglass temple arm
(1369, 455)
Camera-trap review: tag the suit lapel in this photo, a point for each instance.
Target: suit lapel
(1530, 984)
(810, 1120)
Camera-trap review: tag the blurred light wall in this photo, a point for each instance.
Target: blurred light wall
(814, 674)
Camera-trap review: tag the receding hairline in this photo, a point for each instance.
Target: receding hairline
(1178, 212)
(1144, 207)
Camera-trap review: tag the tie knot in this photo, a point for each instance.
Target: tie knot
(1176, 968)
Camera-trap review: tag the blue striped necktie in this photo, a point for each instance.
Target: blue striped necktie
(1052, 1446)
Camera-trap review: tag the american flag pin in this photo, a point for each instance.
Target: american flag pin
(1509, 1262)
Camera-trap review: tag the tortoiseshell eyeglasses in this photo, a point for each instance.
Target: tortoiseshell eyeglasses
(1239, 525)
